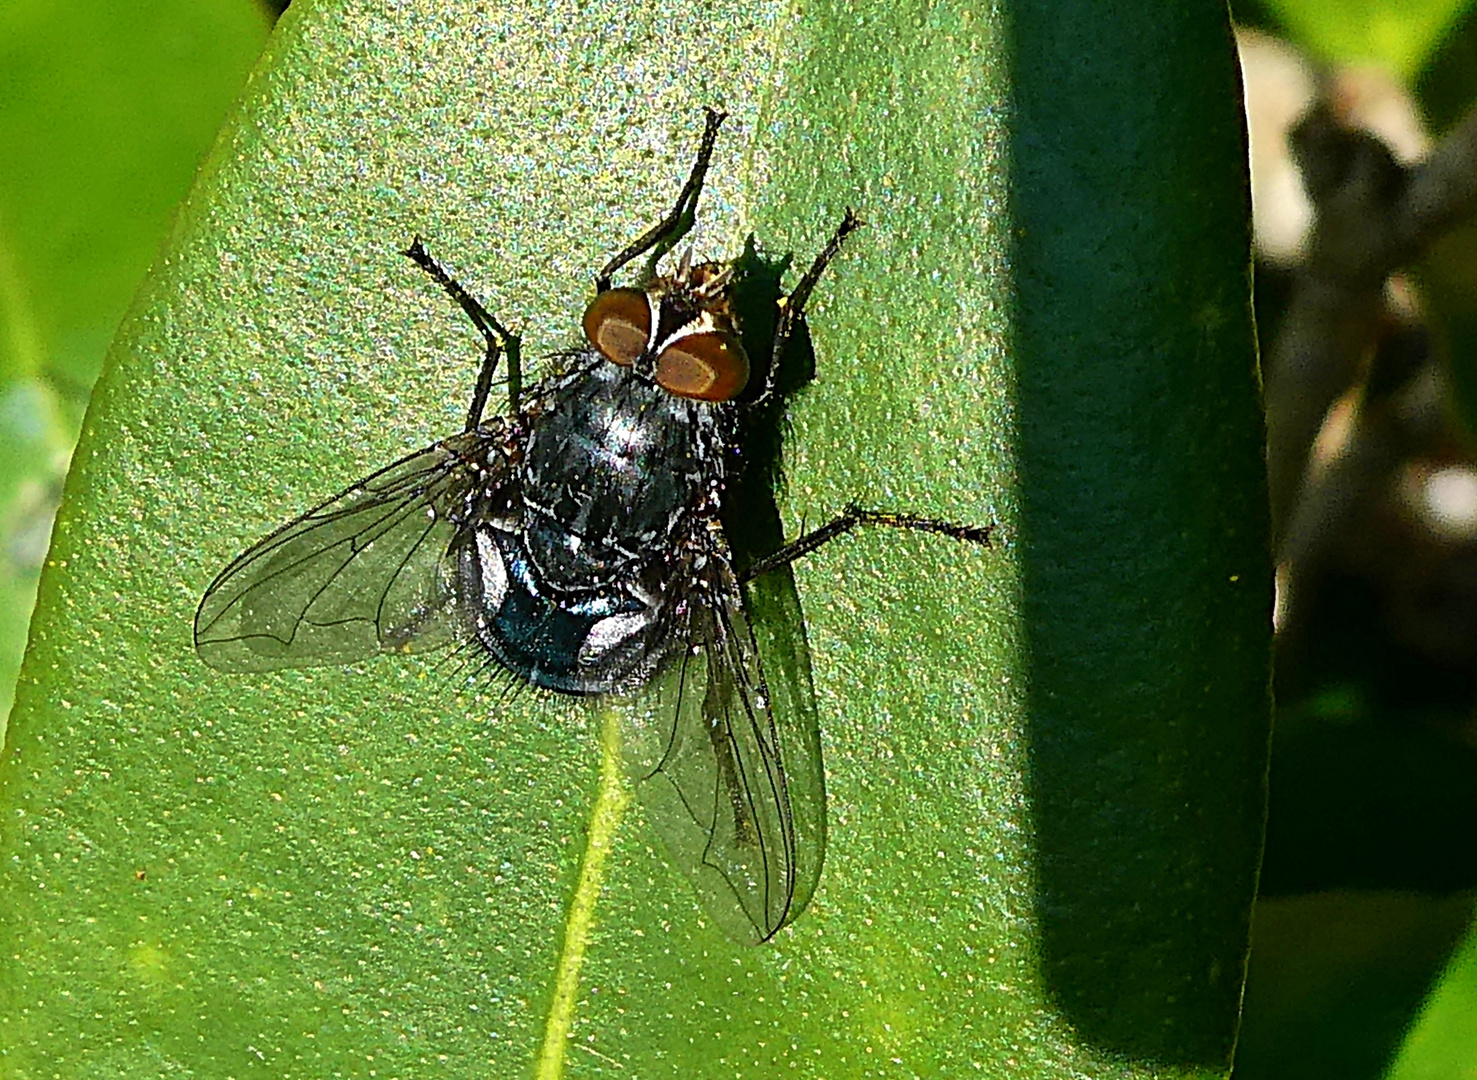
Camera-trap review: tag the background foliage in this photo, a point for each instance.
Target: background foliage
(1362, 945)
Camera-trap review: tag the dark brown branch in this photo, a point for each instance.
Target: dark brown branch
(1442, 191)
(1373, 217)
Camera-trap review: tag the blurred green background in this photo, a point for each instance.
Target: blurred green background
(1364, 962)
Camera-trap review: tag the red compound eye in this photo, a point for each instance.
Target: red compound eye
(708, 366)
(618, 323)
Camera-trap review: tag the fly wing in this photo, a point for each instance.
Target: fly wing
(365, 572)
(729, 763)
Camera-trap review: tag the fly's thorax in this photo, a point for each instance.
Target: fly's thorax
(612, 466)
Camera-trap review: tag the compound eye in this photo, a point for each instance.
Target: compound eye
(618, 323)
(708, 366)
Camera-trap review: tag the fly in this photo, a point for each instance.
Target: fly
(580, 541)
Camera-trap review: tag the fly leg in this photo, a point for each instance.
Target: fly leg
(661, 237)
(853, 517)
(792, 307)
(500, 340)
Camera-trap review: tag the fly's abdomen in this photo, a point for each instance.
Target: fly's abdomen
(595, 643)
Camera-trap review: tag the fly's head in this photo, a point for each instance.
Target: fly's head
(679, 332)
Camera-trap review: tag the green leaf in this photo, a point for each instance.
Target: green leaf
(1045, 760)
(1400, 34)
(1439, 1044)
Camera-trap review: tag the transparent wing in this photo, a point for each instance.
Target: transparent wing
(365, 572)
(729, 764)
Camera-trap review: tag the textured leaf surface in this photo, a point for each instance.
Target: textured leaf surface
(1045, 760)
